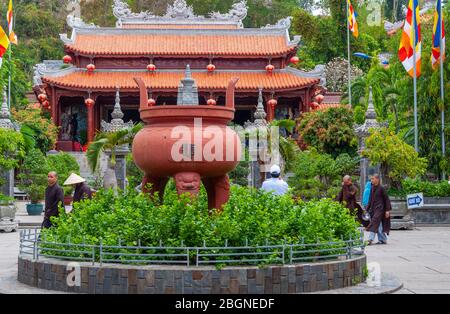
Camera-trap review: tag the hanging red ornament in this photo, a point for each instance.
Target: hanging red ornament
(90, 68)
(151, 67)
(67, 59)
(270, 68)
(151, 102)
(212, 102)
(272, 103)
(211, 67)
(295, 60)
(42, 97)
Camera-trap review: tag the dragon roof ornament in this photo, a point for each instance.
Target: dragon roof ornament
(281, 24)
(180, 11)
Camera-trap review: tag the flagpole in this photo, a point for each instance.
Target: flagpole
(9, 77)
(349, 64)
(441, 50)
(416, 129)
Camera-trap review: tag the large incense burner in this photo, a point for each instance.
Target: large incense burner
(189, 142)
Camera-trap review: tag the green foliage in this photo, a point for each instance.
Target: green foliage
(134, 174)
(110, 141)
(12, 147)
(64, 164)
(429, 189)
(37, 130)
(396, 158)
(249, 215)
(319, 175)
(329, 131)
(33, 175)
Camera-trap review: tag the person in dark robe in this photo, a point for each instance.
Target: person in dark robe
(54, 197)
(82, 190)
(347, 196)
(380, 212)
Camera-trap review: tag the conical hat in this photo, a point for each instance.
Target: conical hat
(74, 179)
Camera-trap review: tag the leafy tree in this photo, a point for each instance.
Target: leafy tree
(11, 149)
(396, 158)
(319, 175)
(330, 130)
(37, 130)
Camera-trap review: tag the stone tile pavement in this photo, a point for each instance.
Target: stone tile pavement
(419, 258)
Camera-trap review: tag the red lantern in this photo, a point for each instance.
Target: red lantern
(272, 103)
(270, 68)
(211, 102)
(67, 59)
(46, 104)
(211, 67)
(90, 68)
(151, 67)
(151, 102)
(314, 105)
(42, 97)
(89, 102)
(320, 98)
(295, 60)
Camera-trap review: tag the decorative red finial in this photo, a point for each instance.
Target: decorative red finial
(151, 67)
(89, 102)
(211, 67)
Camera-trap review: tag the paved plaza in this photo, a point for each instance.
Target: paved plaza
(419, 258)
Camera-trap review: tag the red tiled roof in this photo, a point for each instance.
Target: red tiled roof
(101, 80)
(324, 106)
(157, 44)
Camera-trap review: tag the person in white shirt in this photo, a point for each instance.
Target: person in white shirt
(275, 184)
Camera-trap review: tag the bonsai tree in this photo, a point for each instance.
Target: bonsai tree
(33, 175)
(110, 141)
(64, 164)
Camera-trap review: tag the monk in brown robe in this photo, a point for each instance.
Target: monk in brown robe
(379, 208)
(347, 196)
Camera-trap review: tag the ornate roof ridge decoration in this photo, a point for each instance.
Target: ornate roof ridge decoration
(319, 72)
(75, 23)
(281, 24)
(50, 68)
(104, 31)
(5, 114)
(179, 11)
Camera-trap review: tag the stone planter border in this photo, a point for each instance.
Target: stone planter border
(52, 274)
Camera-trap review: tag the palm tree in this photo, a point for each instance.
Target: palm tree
(110, 142)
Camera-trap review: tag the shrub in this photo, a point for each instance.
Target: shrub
(11, 149)
(397, 159)
(429, 189)
(329, 131)
(249, 215)
(319, 175)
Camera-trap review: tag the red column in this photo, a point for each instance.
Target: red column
(90, 103)
(54, 107)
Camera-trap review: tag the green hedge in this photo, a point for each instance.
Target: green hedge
(429, 189)
(250, 214)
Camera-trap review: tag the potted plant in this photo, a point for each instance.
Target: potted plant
(64, 164)
(33, 180)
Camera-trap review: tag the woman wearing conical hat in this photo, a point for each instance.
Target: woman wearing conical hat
(82, 190)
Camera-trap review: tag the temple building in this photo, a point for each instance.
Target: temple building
(101, 62)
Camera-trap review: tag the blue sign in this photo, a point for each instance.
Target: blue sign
(415, 200)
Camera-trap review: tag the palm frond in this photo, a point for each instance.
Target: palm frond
(94, 151)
